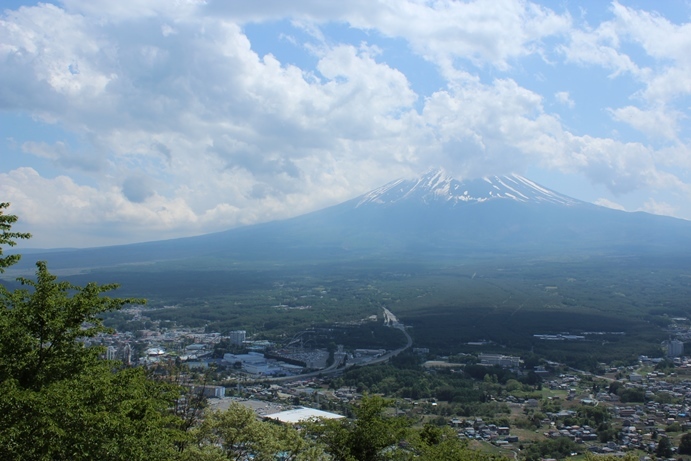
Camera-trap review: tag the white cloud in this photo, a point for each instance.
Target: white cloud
(655, 123)
(499, 128)
(677, 157)
(563, 97)
(609, 204)
(124, 10)
(659, 36)
(664, 75)
(44, 150)
(49, 44)
(481, 31)
(61, 155)
(181, 127)
(202, 128)
(59, 202)
(659, 208)
(601, 47)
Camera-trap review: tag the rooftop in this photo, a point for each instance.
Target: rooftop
(302, 414)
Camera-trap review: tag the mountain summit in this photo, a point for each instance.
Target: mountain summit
(437, 186)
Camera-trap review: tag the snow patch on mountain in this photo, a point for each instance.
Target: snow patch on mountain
(437, 186)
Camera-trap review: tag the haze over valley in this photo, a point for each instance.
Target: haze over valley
(498, 259)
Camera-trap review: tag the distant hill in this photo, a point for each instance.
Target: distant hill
(433, 217)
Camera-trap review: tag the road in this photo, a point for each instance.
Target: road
(391, 321)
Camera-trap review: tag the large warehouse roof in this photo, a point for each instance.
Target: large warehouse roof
(302, 414)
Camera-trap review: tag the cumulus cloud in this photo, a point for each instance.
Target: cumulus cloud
(656, 123)
(483, 31)
(664, 77)
(182, 127)
(199, 106)
(660, 208)
(609, 204)
(136, 189)
(563, 97)
(601, 47)
(499, 128)
(664, 41)
(60, 154)
(51, 207)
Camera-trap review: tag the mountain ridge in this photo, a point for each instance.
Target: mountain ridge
(436, 184)
(431, 217)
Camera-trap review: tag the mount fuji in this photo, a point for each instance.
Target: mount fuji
(433, 217)
(437, 187)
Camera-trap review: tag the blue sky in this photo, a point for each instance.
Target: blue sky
(141, 120)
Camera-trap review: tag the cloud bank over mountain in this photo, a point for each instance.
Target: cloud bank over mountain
(140, 120)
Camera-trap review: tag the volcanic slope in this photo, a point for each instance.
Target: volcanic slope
(428, 218)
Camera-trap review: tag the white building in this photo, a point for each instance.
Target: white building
(302, 414)
(675, 348)
(127, 354)
(505, 361)
(218, 392)
(155, 352)
(237, 337)
(111, 353)
(252, 357)
(253, 363)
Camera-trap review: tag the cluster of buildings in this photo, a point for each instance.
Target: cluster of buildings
(257, 364)
(307, 358)
(578, 434)
(489, 360)
(199, 355)
(147, 347)
(477, 429)
(566, 336)
(199, 349)
(657, 387)
(640, 426)
(643, 425)
(506, 361)
(560, 337)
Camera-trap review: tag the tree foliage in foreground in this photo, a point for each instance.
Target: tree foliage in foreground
(42, 326)
(370, 436)
(237, 434)
(558, 448)
(7, 237)
(375, 436)
(58, 399)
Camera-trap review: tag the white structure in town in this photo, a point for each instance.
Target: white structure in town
(505, 361)
(302, 414)
(253, 363)
(675, 348)
(237, 337)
